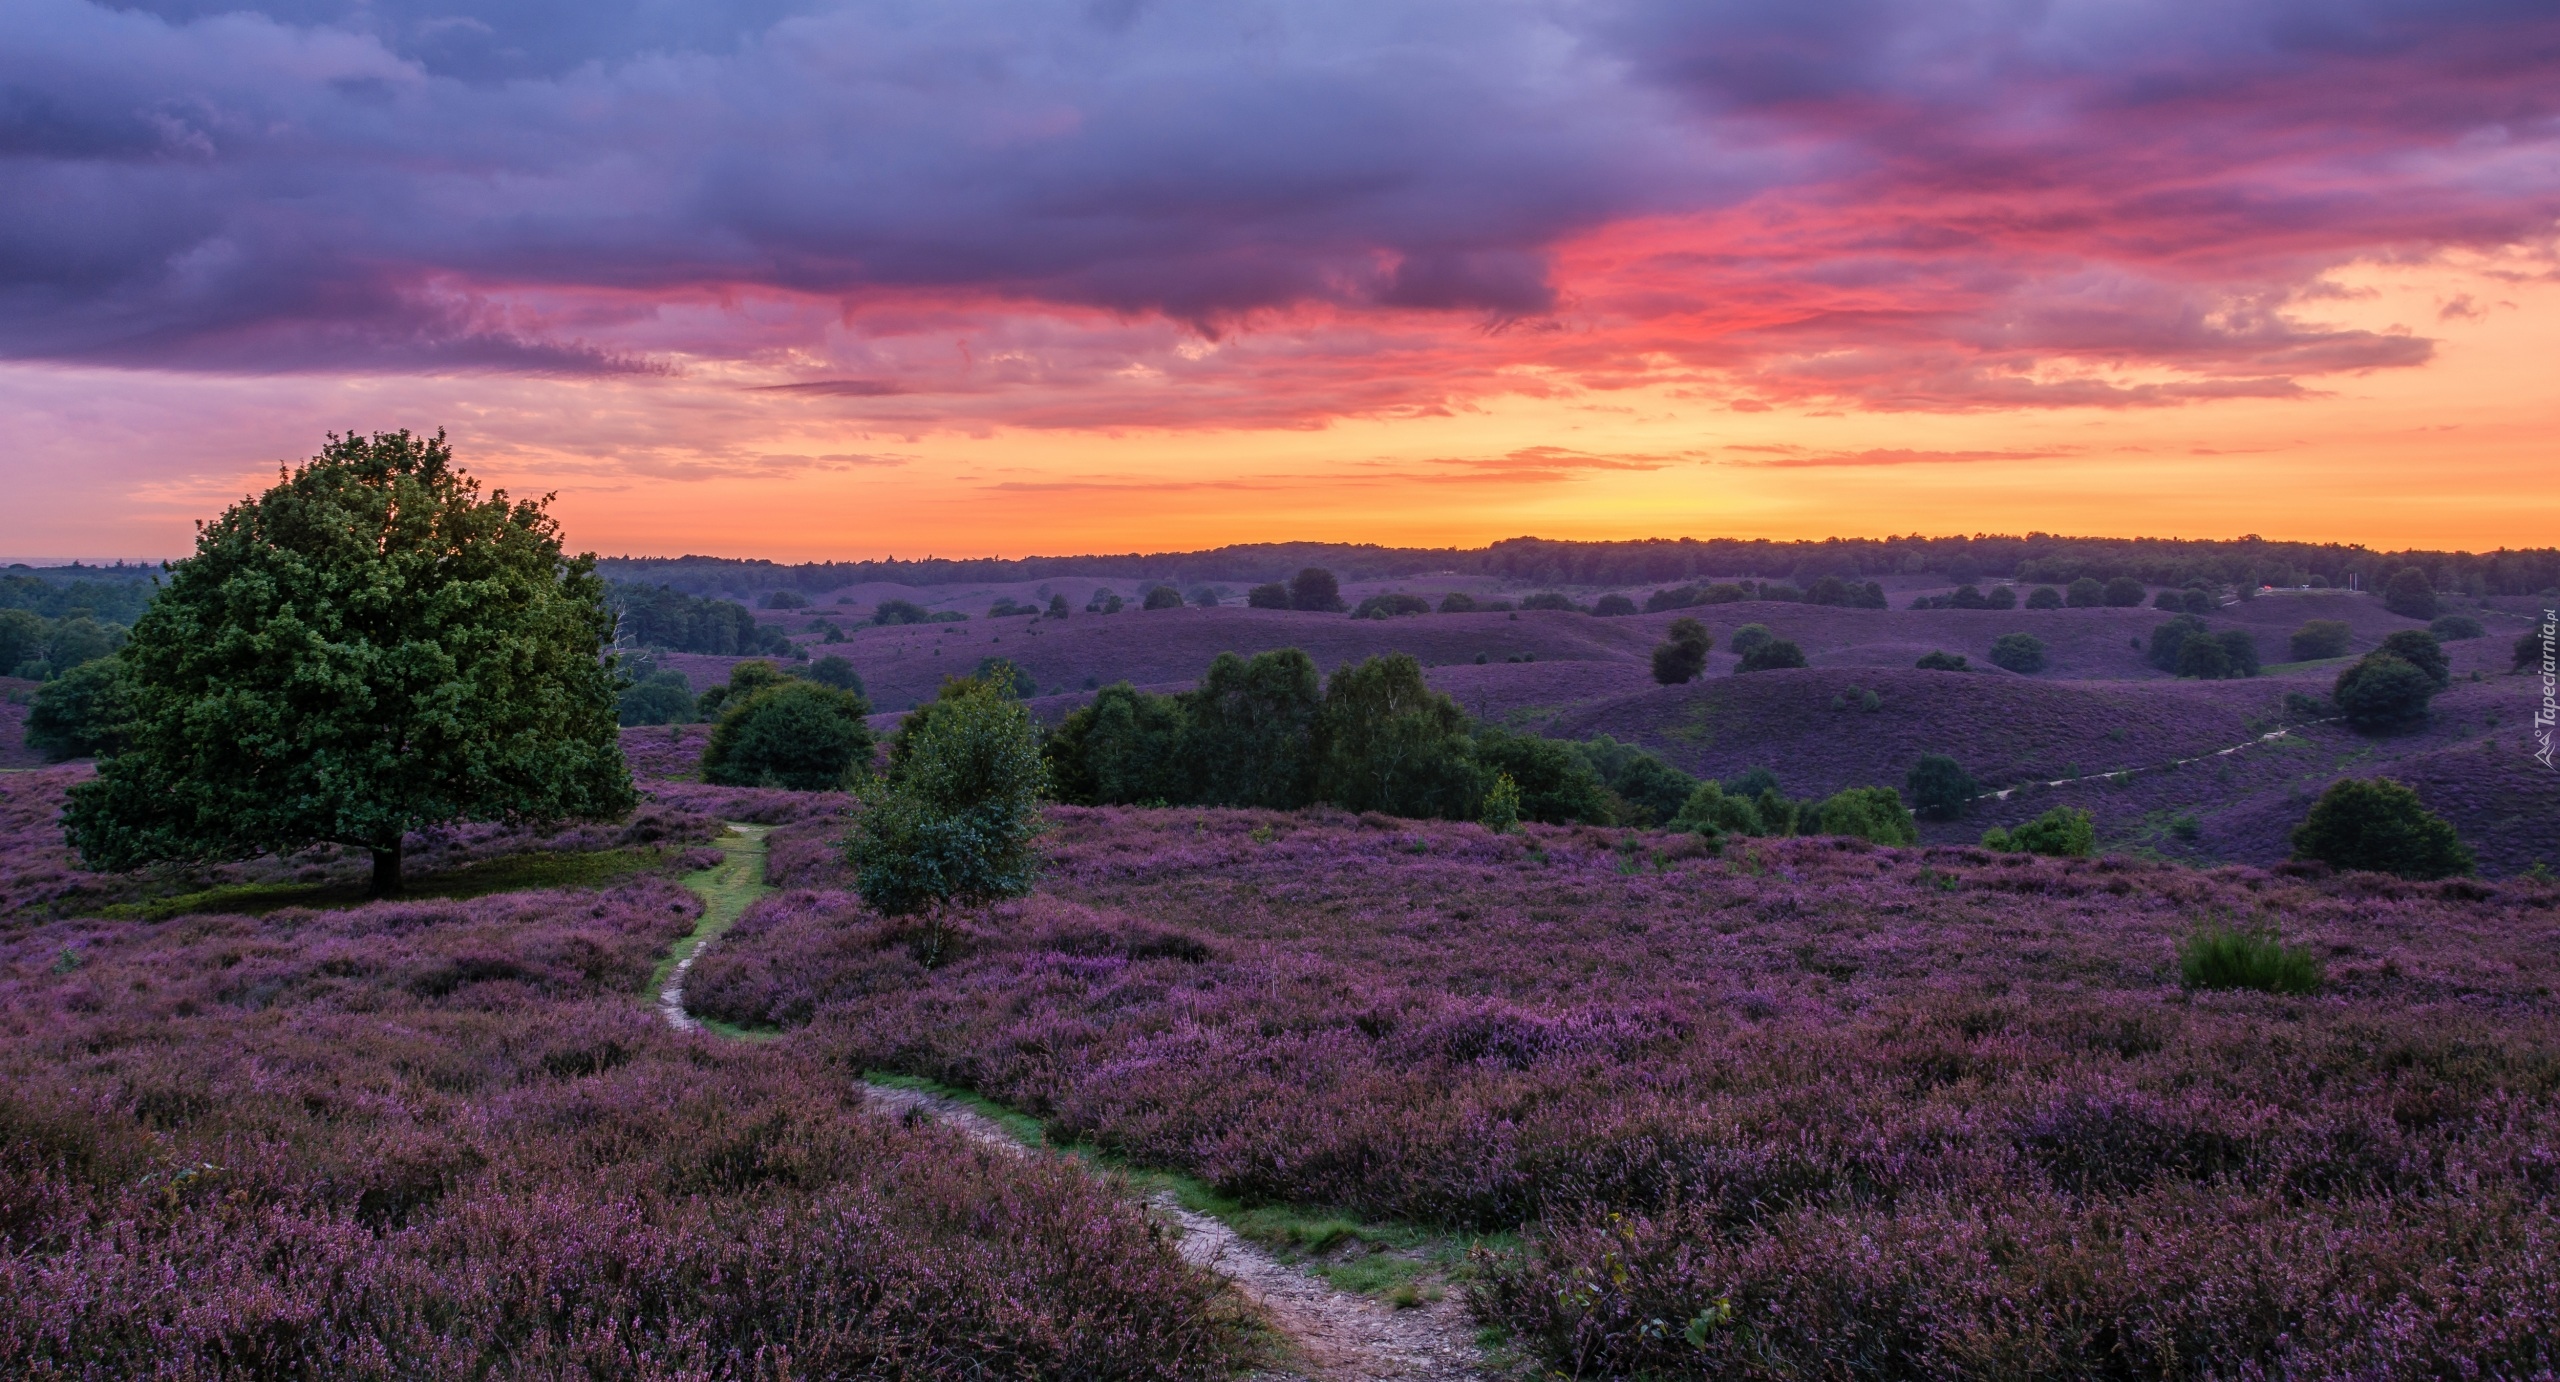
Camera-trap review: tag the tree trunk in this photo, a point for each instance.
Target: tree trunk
(386, 871)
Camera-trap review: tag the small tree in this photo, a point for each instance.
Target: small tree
(1002, 674)
(1869, 813)
(1940, 787)
(2085, 593)
(2171, 601)
(1057, 608)
(1387, 742)
(660, 698)
(2124, 592)
(2044, 597)
(836, 670)
(2453, 628)
(2022, 653)
(2065, 832)
(1682, 655)
(1391, 606)
(1710, 810)
(1772, 655)
(1751, 636)
(82, 712)
(2419, 649)
(1501, 813)
(1252, 730)
(2379, 825)
(367, 649)
(795, 734)
(21, 639)
(2382, 693)
(956, 822)
(1555, 782)
(2203, 658)
(1942, 661)
(2410, 594)
(2321, 638)
(2168, 639)
(1314, 588)
(2001, 597)
(2239, 652)
(1161, 597)
(1126, 748)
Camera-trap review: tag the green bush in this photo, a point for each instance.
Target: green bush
(1942, 661)
(2001, 597)
(1252, 730)
(752, 675)
(2409, 594)
(2453, 628)
(1391, 607)
(2022, 653)
(1751, 636)
(1385, 741)
(1161, 597)
(1940, 787)
(2169, 638)
(2419, 649)
(1271, 596)
(80, 640)
(2223, 957)
(1057, 608)
(1870, 813)
(660, 698)
(1550, 599)
(2239, 652)
(2380, 826)
(1501, 813)
(1125, 748)
(1682, 655)
(1554, 780)
(2085, 593)
(1772, 655)
(785, 599)
(1710, 811)
(21, 638)
(796, 735)
(2321, 638)
(81, 713)
(1612, 606)
(1653, 790)
(1457, 602)
(2381, 693)
(2044, 597)
(893, 613)
(1007, 678)
(1314, 588)
(2170, 600)
(2204, 659)
(2124, 592)
(2065, 832)
(957, 820)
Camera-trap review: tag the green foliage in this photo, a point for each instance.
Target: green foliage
(2065, 832)
(2410, 594)
(2022, 653)
(785, 599)
(1710, 811)
(1314, 588)
(1252, 726)
(755, 674)
(896, 613)
(2001, 597)
(1551, 600)
(1003, 675)
(1555, 782)
(1870, 813)
(80, 640)
(1126, 748)
(1769, 656)
(2124, 592)
(1940, 787)
(957, 820)
(82, 712)
(1057, 608)
(2419, 649)
(2239, 652)
(835, 670)
(1387, 742)
(2168, 639)
(658, 617)
(2202, 657)
(1612, 606)
(2044, 597)
(1272, 596)
(2085, 593)
(1501, 813)
(366, 649)
(796, 735)
(1652, 789)
(2171, 601)
(660, 698)
(2321, 638)
(1161, 597)
(1750, 636)
(2381, 693)
(2380, 826)
(2224, 957)
(2453, 628)
(21, 638)
(1942, 661)
(1457, 602)
(1391, 606)
(1682, 654)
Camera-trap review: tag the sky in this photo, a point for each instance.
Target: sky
(804, 279)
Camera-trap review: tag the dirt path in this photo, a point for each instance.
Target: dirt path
(2267, 738)
(1338, 1336)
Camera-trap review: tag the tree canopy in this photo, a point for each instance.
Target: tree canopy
(368, 648)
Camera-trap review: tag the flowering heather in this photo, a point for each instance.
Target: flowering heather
(450, 1140)
(1812, 1108)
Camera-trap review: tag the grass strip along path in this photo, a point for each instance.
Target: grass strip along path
(1334, 1333)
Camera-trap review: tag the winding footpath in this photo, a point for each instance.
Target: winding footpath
(1336, 1336)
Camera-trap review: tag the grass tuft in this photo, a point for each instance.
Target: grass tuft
(2224, 957)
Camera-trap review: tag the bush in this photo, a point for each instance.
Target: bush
(1272, 596)
(21, 638)
(1104, 600)
(2239, 652)
(1006, 678)
(2382, 693)
(660, 698)
(1682, 655)
(1057, 608)
(2419, 649)
(1501, 813)
(2200, 601)
(2085, 593)
(1711, 811)
(2321, 638)
(1386, 741)
(1612, 606)
(836, 671)
(1772, 655)
(1161, 597)
(1207, 597)
(896, 613)
(2409, 594)
(785, 599)
(1966, 597)
(80, 640)
(2222, 957)
(1314, 588)
(1457, 602)
(2065, 832)
(1550, 599)
(1869, 813)
(2171, 601)
(1942, 661)
(1554, 780)
(2124, 592)
(2203, 658)
(957, 819)
(1391, 606)
(796, 735)
(2304, 706)
(2453, 628)
(2528, 650)
(81, 713)
(2001, 597)
(1252, 730)
(2022, 653)
(2044, 597)
(1749, 637)
(1652, 790)
(1125, 748)
(755, 674)
(2380, 826)
(1940, 787)
(2167, 639)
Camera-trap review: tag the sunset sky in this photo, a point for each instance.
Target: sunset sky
(804, 279)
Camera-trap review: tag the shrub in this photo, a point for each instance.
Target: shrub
(2452, 628)
(21, 638)
(1457, 602)
(957, 820)
(1769, 656)
(1501, 813)
(1385, 741)
(1870, 813)
(2321, 638)
(1161, 597)
(785, 599)
(2018, 652)
(2409, 594)
(2085, 593)
(894, 613)
(1207, 597)
(80, 640)
(2239, 652)
(1554, 780)
(1391, 606)
(1252, 730)
(660, 617)
(2419, 649)
(2044, 597)
(2528, 649)
(796, 735)
(1613, 605)
(1057, 608)
(1749, 637)
(660, 698)
(1940, 787)
(1003, 608)
(2304, 706)
(2202, 657)
(2001, 597)
(1125, 748)
(2167, 639)
(1676, 597)
(837, 671)
(1271, 596)
(2170, 600)
(1682, 655)
(1710, 811)
(2223, 957)
(1942, 661)
(2382, 693)
(1549, 599)
(81, 713)
(1104, 600)
(1314, 588)
(2065, 832)
(2124, 592)
(2200, 601)
(1006, 678)
(1652, 790)
(755, 674)
(2380, 826)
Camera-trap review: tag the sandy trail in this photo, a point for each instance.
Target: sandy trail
(1337, 1336)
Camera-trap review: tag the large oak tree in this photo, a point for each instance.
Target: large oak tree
(368, 648)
